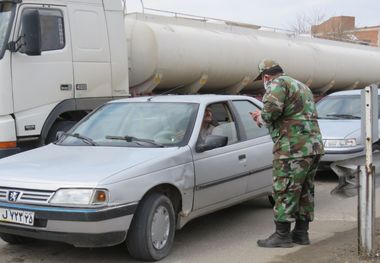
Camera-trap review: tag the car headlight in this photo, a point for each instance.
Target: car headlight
(80, 197)
(338, 143)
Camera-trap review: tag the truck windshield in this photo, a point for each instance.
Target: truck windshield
(6, 16)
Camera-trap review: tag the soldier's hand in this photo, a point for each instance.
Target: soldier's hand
(256, 116)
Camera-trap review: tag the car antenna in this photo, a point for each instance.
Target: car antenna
(165, 92)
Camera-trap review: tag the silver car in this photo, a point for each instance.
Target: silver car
(135, 170)
(340, 123)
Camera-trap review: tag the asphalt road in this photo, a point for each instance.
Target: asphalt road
(225, 236)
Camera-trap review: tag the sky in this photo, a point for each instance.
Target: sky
(270, 13)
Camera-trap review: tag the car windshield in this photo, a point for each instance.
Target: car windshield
(6, 13)
(135, 124)
(340, 107)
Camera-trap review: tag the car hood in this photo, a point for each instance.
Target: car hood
(55, 166)
(338, 128)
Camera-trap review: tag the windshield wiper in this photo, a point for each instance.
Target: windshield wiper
(134, 139)
(81, 137)
(344, 116)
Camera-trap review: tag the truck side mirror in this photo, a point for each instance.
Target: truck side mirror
(31, 30)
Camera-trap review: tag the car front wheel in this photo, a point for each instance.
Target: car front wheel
(151, 234)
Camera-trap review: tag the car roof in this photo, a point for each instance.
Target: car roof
(203, 99)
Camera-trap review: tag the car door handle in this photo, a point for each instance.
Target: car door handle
(242, 156)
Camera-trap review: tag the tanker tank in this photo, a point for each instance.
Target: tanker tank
(196, 56)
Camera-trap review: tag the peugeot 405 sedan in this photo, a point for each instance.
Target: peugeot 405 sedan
(134, 171)
(340, 122)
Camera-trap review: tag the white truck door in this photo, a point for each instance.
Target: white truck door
(91, 52)
(41, 82)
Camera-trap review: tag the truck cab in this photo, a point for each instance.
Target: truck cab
(58, 60)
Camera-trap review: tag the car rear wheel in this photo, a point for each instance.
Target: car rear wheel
(151, 234)
(15, 240)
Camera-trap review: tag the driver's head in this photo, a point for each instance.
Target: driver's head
(207, 118)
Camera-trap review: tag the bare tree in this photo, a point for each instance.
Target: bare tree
(300, 25)
(316, 17)
(335, 29)
(303, 22)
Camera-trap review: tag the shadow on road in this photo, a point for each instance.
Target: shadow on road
(326, 176)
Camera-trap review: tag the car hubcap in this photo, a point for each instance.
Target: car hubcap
(160, 227)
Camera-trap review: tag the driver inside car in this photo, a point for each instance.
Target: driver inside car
(208, 125)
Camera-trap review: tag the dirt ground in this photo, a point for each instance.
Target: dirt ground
(340, 248)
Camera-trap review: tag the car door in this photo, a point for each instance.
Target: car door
(46, 79)
(219, 172)
(257, 146)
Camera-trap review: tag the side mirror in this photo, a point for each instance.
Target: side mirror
(31, 30)
(212, 142)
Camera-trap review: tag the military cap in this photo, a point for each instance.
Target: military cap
(265, 65)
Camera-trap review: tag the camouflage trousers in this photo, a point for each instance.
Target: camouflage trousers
(293, 188)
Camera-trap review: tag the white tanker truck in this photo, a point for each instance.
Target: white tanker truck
(60, 59)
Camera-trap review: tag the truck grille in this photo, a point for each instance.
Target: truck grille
(25, 196)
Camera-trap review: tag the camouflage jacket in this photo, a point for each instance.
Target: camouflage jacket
(291, 117)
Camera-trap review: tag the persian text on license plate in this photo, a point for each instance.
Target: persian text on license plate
(16, 216)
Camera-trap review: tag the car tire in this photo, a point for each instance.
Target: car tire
(15, 240)
(152, 230)
(58, 126)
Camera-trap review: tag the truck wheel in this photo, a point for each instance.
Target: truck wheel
(58, 126)
(151, 233)
(15, 240)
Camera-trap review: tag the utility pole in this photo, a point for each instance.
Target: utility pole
(366, 196)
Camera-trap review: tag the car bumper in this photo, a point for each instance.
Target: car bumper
(79, 227)
(331, 156)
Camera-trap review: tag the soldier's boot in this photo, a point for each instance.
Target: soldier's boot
(300, 233)
(280, 238)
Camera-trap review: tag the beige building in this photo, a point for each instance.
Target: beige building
(342, 28)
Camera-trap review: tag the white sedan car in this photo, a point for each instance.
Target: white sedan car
(340, 123)
(133, 171)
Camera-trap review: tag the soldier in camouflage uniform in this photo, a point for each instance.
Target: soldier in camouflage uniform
(290, 115)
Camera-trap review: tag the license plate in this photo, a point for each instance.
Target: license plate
(16, 216)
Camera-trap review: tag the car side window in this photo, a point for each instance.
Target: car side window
(52, 29)
(244, 107)
(218, 120)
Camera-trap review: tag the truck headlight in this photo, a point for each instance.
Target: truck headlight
(338, 143)
(80, 197)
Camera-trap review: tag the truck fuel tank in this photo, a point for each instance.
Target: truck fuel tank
(205, 57)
